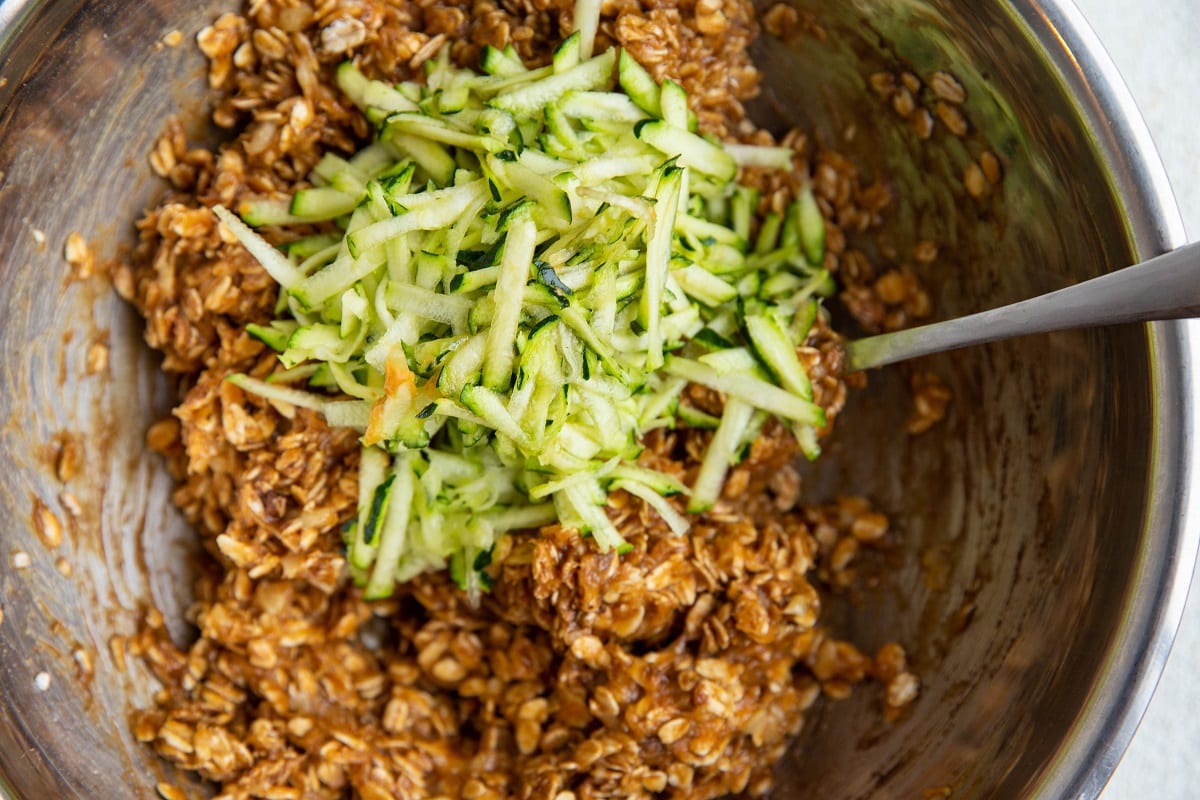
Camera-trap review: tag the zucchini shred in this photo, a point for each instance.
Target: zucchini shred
(531, 266)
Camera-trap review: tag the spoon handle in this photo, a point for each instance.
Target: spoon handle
(1165, 287)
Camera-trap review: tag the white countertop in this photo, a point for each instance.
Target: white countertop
(1154, 45)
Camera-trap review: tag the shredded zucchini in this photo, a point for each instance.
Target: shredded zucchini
(531, 267)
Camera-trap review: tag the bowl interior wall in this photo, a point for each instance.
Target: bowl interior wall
(1034, 489)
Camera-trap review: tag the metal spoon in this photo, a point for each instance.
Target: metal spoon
(1165, 287)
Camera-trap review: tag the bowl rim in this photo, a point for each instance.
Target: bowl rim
(1162, 576)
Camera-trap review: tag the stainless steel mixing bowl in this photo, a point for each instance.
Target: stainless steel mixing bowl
(1056, 497)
